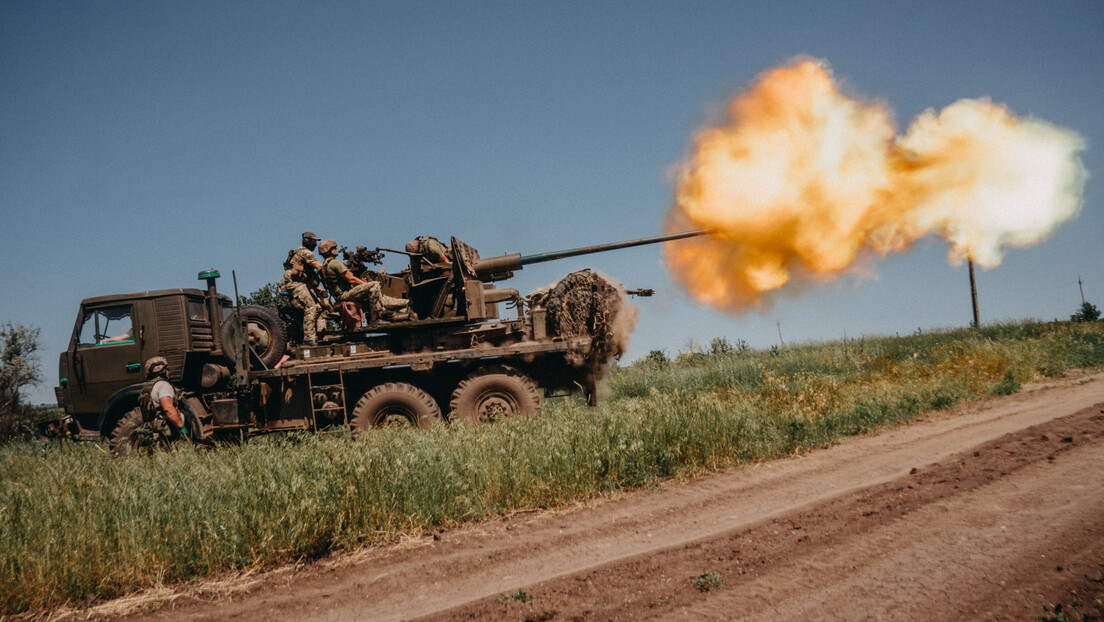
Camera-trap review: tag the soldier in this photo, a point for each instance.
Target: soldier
(430, 248)
(429, 258)
(301, 283)
(348, 288)
(158, 397)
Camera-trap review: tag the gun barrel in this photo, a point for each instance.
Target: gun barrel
(503, 264)
(599, 248)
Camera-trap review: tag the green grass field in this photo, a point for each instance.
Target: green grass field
(76, 525)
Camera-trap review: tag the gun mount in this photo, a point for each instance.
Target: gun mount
(463, 288)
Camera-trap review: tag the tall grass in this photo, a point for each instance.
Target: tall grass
(76, 524)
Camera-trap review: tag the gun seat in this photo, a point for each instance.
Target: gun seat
(350, 315)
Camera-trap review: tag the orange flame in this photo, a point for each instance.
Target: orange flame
(803, 180)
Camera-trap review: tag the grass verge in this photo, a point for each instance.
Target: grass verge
(76, 526)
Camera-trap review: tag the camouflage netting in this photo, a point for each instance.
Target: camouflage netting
(585, 303)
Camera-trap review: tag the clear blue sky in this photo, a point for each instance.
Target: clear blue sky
(142, 142)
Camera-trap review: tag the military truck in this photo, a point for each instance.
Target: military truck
(456, 356)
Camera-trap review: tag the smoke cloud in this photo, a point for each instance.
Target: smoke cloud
(802, 180)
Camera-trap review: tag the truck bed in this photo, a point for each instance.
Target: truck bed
(345, 357)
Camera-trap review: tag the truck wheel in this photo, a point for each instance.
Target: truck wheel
(492, 393)
(264, 331)
(395, 404)
(126, 438)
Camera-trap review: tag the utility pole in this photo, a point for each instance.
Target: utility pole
(779, 324)
(973, 292)
(1082, 290)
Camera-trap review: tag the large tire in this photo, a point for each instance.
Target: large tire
(127, 438)
(264, 331)
(134, 435)
(492, 393)
(395, 404)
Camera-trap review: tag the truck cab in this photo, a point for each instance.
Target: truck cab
(100, 374)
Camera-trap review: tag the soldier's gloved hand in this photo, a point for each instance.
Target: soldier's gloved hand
(184, 431)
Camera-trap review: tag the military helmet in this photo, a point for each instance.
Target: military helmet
(156, 365)
(326, 246)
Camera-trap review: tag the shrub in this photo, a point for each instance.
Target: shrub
(18, 370)
(655, 358)
(708, 581)
(1087, 313)
(266, 296)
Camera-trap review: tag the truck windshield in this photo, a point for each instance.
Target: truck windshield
(106, 326)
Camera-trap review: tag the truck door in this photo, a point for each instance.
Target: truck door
(107, 355)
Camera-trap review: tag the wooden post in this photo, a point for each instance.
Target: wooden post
(973, 293)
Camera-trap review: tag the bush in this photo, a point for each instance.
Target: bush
(266, 296)
(721, 345)
(1087, 313)
(18, 370)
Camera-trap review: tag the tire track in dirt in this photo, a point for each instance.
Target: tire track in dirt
(992, 533)
(622, 546)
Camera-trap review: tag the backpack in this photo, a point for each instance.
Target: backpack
(151, 411)
(430, 246)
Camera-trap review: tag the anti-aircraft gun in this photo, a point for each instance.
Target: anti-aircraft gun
(560, 339)
(456, 359)
(462, 288)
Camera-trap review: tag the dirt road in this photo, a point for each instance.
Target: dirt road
(987, 514)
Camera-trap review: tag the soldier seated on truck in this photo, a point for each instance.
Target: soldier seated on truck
(123, 338)
(345, 287)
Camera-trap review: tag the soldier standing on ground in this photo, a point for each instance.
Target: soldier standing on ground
(347, 288)
(301, 283)
(158, 396)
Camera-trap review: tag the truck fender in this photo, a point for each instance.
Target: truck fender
(198, 420)
(117, 405)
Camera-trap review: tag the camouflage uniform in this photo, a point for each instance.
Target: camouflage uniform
(296, 284)
(366, 294)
